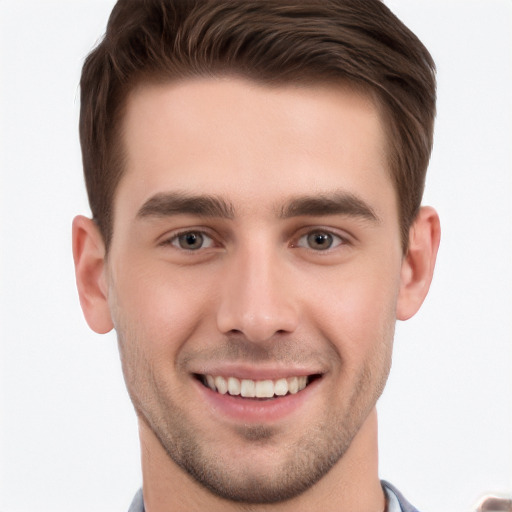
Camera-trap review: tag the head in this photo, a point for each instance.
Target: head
(278, 42)
(255, 172)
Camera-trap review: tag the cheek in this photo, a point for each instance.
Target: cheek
(357, 312)
(159, 307)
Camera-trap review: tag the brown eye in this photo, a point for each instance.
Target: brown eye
(192, 241)
(319, 240)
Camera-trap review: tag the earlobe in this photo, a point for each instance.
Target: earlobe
(418, 264)
(89, 258)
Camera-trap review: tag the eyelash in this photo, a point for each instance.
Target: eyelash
(337, 240)
(174, 239)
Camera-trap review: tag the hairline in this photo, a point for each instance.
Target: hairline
(118, 151)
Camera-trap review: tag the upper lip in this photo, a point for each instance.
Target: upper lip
(255, 372)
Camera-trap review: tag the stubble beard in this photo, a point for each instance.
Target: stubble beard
(303, 463)
(306, 461)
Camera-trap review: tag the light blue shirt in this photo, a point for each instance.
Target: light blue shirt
(393, 503)
(396, 502)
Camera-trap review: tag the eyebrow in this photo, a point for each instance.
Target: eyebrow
(178, 203)
(337, 203)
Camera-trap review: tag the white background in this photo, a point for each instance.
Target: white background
(68, 436)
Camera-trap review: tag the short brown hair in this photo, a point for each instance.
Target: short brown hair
(270, 41)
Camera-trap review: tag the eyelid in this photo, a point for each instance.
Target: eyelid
(344, 237)
(169, 238)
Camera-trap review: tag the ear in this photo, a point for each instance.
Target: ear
(89, 258)
(418, 264)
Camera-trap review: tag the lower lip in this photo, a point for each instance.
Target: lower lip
(257, 411)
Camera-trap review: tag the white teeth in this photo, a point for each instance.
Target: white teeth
(221, 385)
(281, 387)
(211, 382)
(264, 389)
(233, 386)
(256, 388)
(248, 388)
(293, 385)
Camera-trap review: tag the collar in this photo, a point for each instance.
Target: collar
(396, 501)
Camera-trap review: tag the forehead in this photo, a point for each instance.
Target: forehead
(251, 142)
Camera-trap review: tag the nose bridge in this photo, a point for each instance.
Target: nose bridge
(257, 299)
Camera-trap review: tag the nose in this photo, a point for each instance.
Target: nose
(257, 299)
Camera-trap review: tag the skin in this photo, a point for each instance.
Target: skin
(260, 298)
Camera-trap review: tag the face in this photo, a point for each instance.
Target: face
(253, 277)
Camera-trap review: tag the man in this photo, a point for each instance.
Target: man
(255, 172)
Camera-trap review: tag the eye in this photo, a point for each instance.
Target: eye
(319, 240)
(192, 241)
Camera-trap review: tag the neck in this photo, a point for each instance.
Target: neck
(352, 484)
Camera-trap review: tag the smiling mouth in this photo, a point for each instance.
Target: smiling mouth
(257, 389)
